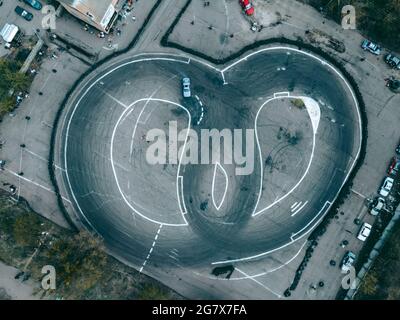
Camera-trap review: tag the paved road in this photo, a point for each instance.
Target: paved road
(138, 208)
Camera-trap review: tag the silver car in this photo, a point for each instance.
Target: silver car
(186, 88)
(378, 206)
(386, 187)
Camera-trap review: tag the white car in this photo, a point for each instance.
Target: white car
(386, 187)
(186, 88)
(365, 231)
(380, 203)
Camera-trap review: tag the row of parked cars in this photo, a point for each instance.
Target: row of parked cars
(377, 206)
(392, 172)
(391, 59)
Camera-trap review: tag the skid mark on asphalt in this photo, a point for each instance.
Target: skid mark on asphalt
(151, 249)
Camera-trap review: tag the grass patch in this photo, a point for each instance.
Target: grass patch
(298, 103)
(383, 279)
(11, 82)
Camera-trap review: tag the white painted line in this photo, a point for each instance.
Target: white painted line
(258, 282)
(281, 94)
(181, 198)
(299, 209)
(151, 249)
(327, 204)
(35, 183)
(41, 158)
(358, 193)
(223, 78)
(221, 168)
(129, 109)
(294, 205)
(298, 204)
(265, 272)
(95, 81)
(115, 99)
(315, 120)
(141, 113)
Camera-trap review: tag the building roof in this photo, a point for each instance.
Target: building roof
(8, 32)
(99, 9)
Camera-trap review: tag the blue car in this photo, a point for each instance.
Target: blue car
(34, 4)
(371, 47)
(23, 13)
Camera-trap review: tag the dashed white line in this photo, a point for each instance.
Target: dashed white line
(151, 249)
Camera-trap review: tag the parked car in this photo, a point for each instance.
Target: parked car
(186, 88)
(23, 13)
(247, 7)
(386, 187)
(377, 206)
(365, 231)
(392, 61)
(348, 261)
(393, 84)
(371, 47)
(394, 167)
(398, 149)
(35, 4)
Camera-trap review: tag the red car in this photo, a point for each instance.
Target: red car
(247, 6)
(394, 167)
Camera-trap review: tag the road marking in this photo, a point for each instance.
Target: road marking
(295, 206)
(281, 94)
(115, 99)
(202, 109)
(359, 194)
(35, 183)
(42, 158)
(312, 220)
(218, 165)
(313, 113)
(141, 113)
(181, 198)
(151, 249)
(299, 209)
(259, 283)
(128, 110)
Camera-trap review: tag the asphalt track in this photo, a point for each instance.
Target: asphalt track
(205, 214)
